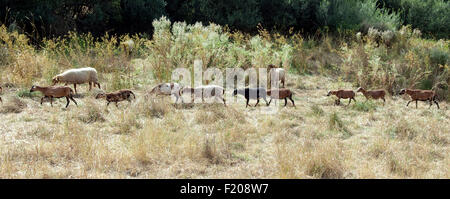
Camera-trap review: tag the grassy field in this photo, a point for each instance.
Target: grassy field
(154, 138)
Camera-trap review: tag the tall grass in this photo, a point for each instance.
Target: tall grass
(392, 59)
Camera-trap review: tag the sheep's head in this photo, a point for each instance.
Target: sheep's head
(360, 89)
(33, 88)
(100, 95)
(403, 91)
(235, 92)
(271, 66)
(330, 93)
(156, 89)
(56, 79)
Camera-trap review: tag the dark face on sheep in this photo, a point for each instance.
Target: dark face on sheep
(235, 92)
(359, 89)
(55, 80)
(33, 88)
(329, 93)
(403, 91)
(100, 95)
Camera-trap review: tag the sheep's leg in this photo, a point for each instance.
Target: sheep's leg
(98, 84)
(436, 103)
(42, 100)
(246, 105)
(107, 104)
(75, 87)
(409, 102)
(223, 99)
(176, 101)
(90, 86)
(350, 100)
(73, 100)
(285, 101)
(51, 101)
(67, 98)
(416, 103)
(270, 101)
(117, 105)
(257, 102)
(290, 97)
(267, 103)
(384, 101)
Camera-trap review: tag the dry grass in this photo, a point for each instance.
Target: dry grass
(153, 138)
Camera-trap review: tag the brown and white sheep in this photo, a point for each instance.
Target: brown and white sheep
(344, 94)
(167, 89)
(276, 72)
(204, 91)
(55, 92)
(421, 95)
(374, 94)
(117, 96)
(78, 76)
(281, 94)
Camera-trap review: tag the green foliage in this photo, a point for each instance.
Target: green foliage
(429, 16)
(364, 106)
(356, 15)
(24, 93)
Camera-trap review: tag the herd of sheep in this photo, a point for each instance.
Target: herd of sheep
(89, 75)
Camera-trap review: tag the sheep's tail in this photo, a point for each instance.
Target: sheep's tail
(71, 93)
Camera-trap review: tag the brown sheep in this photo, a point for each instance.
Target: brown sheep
(374, 94)
(55, 92)
(344, 94)
(282, 94)
(278, 72)
(422, 95)
(117, 96)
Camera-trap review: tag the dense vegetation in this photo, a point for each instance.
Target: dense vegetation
(44, 18)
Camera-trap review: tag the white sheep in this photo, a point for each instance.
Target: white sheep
(207, 91)
(167, 89)
(128, 46)
(277, 72)
(78, 76)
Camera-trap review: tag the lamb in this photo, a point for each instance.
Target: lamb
(55, 92)
(422, 95)
(117, 96)
(252, 93)
(78, 76)
(205, 91)
(276, 72)
(374, 94)
(167, 89)
(344, 94)
(282, 94)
